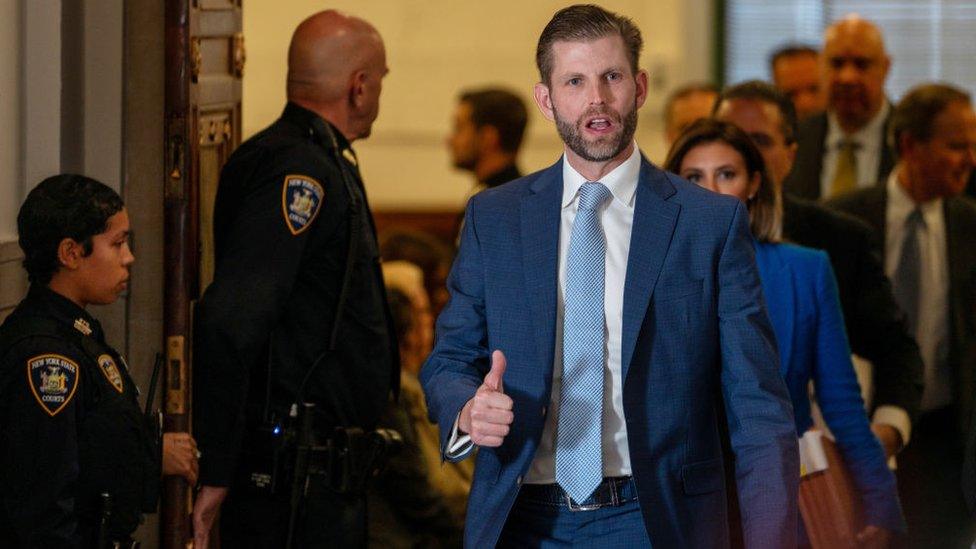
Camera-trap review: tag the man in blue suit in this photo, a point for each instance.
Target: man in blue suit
(606, 332)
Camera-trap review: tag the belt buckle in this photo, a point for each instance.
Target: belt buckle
(578, 507)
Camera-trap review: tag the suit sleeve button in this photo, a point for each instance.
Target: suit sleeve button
(519, 480)
(543, 411)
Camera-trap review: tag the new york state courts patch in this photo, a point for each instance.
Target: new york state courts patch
(111, 371)
(53, 380)
(301, 200)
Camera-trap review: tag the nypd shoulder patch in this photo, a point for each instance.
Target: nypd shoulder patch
(111, 371)
(301, 200)
(53, 380)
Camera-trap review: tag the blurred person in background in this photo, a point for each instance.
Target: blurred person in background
(927, 230)
(795, 70)
(844, 148)
(685, 105)
(425, 251)
(416, 501)
(804, 309)
(875, 325)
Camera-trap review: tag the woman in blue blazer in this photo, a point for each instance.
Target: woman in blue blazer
(804, 309)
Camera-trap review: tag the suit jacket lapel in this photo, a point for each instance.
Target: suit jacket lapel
(540, 218)
(886, 162)
(816, 160)
(654, 222)
(876, 211)
(778, 291)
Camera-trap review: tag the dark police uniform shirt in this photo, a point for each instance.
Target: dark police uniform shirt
(282, 221)
(70, 429)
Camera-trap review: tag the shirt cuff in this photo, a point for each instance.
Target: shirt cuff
(897, 418)
(458, 445)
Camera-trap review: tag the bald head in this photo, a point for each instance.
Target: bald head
(335, 64)
(855, 68)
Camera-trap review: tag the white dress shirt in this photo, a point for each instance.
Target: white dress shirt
(616, 218)
(932, 326)
(870, 142)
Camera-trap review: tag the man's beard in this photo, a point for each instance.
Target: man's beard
(604, 148)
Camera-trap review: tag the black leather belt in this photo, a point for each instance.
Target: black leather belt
(612, 492)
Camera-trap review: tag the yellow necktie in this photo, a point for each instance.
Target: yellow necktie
(845, 176)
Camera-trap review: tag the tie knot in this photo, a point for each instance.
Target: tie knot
(915, 219)
(591, 195)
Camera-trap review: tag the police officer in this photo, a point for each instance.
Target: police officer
(79, 462)
(297, 311)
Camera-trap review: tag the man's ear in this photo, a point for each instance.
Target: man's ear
(357, 89)
(70, 253)
(886, 65)
(641, 93)
(543, 100)
(489, 138)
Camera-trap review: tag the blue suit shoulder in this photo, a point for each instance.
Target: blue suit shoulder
(800, 258)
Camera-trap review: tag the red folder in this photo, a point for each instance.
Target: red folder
(829, 503)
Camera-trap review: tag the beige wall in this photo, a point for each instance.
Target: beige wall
(10, 108)
(30, 100)
(436, 48)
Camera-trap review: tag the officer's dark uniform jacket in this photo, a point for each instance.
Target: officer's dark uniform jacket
(70, 429)
(282, 223)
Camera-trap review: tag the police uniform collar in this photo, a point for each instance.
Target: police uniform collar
(66, 311)
(314, 124)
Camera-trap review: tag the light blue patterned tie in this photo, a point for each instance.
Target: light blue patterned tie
(579, 457)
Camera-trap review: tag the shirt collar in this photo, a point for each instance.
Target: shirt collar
(316, 126)
(863, 137)
(900, 204)
(622, 181)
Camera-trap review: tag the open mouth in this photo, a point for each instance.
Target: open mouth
(599, 124)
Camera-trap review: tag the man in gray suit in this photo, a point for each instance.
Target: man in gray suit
(927, 230)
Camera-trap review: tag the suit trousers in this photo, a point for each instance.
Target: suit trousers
(540, 520)
(929, 484)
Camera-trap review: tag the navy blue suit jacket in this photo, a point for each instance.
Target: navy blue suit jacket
(695, 336)
(804, 308)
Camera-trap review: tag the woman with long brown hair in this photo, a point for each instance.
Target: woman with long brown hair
(804, 309)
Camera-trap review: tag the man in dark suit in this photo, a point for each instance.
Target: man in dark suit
(489, 124)
(614, 310)
(844, 148)
(927, 230)
(875, 326)
(795, 71)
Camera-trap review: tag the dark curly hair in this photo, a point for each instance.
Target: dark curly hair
(62, 206)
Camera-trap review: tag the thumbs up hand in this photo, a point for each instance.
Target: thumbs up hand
(488, 416)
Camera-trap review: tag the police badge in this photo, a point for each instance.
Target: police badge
(53, 380)
(111, 371)
(301, 198)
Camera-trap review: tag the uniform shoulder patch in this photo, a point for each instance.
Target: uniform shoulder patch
(53, 380)
(301, 200)
(111, 371)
